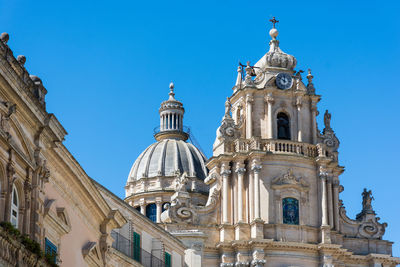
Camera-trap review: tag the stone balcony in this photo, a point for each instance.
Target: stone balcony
(14, 253)
(276, 146)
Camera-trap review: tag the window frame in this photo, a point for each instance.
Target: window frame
(50, 249)
(289, 125)
(151, 207)
(14, 219)
(298, 211)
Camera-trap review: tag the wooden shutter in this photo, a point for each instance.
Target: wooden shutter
(167, 260)
(136, 246)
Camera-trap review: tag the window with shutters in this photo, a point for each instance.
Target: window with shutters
(167, 260)
(136, 246)
(50, 251)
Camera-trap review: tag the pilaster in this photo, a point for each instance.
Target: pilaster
(270, 101)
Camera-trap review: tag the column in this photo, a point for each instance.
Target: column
(270, 100)
(313, 122)
(330, 202)
(225, 173)
(324, 207)
(256, 167)
(299, 122)
(159, 209)
(240, 173)
(336, 203)
(251, 196)
(249, 111)
(142, 207)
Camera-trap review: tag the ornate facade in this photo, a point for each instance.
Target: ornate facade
(51, 212)
(270, 195)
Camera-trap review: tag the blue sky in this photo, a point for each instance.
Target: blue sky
(107, 66)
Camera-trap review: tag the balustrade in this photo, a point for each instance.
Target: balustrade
(276, 146)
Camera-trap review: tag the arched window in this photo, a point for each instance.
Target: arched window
(290, 210)
(283, 126)
(14, 207)
(151, 212)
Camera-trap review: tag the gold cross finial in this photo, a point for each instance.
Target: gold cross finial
(274, 21)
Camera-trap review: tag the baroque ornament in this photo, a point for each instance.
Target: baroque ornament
(289, 180)
(366, 225)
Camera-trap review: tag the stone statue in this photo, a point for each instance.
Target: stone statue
(367, 199)
(180, 182)
(227, 107)
(327, 120)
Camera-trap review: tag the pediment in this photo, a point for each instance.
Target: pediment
(91, 254)
(289, 180)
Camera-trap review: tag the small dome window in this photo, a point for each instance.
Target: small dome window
(151, 212)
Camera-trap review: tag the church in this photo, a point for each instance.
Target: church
(269, 196)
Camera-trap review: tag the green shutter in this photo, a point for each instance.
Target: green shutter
(136, 246)
(167, 260)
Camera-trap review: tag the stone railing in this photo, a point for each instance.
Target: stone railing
(13, 253)
(276, 146)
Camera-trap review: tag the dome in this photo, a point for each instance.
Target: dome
(168, 157)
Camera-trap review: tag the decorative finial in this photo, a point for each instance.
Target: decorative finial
(273, 32)
(21, 60)
(274, 21)
(309, 76)
(248, 70)
(239, 77)
(171, 91)
(4, 37)
(310, 85)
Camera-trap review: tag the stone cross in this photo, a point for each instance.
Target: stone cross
(274, 21)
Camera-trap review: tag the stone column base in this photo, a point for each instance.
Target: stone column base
(326, 234)
(242, 231)
(226, 233)
(257, 229)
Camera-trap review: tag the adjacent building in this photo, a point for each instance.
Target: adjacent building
(48, 204)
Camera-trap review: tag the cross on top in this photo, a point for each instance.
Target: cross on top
(274, 21)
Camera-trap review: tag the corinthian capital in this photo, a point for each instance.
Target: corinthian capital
(249, 98)
(240, 170)
(269, 99)
(226, 172)
(256, 168)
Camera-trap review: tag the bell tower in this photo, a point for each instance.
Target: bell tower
(274, 180)
(270, 100)
(279, 174)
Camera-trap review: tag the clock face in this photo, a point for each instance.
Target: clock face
(284, 81)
